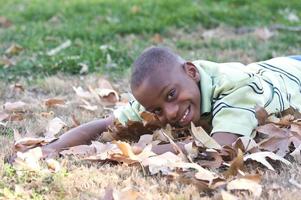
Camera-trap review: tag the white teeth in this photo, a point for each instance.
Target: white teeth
(185, 115)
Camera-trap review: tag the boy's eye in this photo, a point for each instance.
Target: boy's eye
(171, 94)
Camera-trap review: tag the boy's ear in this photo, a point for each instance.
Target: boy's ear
(191, 70)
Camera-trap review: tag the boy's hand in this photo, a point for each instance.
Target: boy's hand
(225, 138)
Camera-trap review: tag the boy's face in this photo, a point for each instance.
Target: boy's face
(172, 94)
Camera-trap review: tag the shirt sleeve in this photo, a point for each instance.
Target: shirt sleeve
(234, 111)
(129, 112)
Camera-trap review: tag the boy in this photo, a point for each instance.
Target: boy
(206, 93)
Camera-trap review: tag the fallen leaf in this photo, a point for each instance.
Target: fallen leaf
(3, 116)
(279, 139)
(26, 143)
(211, 159)
(161, 163)
(261, 115)
(202, 138)
(84, 68)
(261, 157)
(246, 144)
(53, 127)
(228, 196)
(236, 165)
(157, 38)
(59, 48)
(29, 160)
(53, 165)
(14, 49)
(263, 33)
(54, 102)
(88, 106)
(7, 62)
(15, 106)
(4, 22)
(125, 194)
(135, 9)
(297, 154)
(17, 87)
(245, 184)
(82, 94)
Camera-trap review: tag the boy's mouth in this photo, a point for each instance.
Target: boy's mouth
(185, 119)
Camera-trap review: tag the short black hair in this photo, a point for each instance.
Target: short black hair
(152, 59)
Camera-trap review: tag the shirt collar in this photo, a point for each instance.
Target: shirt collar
(206, 89)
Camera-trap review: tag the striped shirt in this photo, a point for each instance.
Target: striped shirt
(231, 91)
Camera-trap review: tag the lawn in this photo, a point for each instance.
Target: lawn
(103, 38)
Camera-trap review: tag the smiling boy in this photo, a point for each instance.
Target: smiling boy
(221, 95)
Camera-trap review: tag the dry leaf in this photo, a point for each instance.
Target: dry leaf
(157, 38)
(53, 127)
(14, 49)
(228, 196)
(236, 165)
(82, 94)
(3, 116)
(29, 160)
(17, 87)
(53, 165)
(279, 139)
(245, 184)
(261, 157)
(246, 144)
(161, 163)
(263, 33)
(211, 159)
(297, 154)
(202, 138)
(135, 9)
(59, 48)
(15, 106)
(4, 22)
(88, 106)
(125, 194)
(7, 62)
(26, 143)
(261, 115)
(54, 102)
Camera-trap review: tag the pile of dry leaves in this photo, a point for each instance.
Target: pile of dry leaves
(203, 163)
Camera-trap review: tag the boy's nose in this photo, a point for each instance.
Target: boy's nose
(171, 111)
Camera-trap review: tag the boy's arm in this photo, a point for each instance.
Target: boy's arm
(82, 134)
(225, 138)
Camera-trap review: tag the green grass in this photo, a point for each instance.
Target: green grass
(39, 26)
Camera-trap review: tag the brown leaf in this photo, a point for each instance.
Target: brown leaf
(261, 114)
(212, 159)
(17, 87)
(54, 102)
(3, 116)
(82, 93)
(202, 138)
(279, 139)
(245, 184)
(263, 33)
(228, 196)
(53, 165)
(88, 106)
(15, 106)
(27, 143)
(246, 144)
(14, 49)
(4, 22)
(261, 157)
(135, 9)
(157, 38)
(29, 160)
(236, 165)
(53, 127)
(126, 194)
